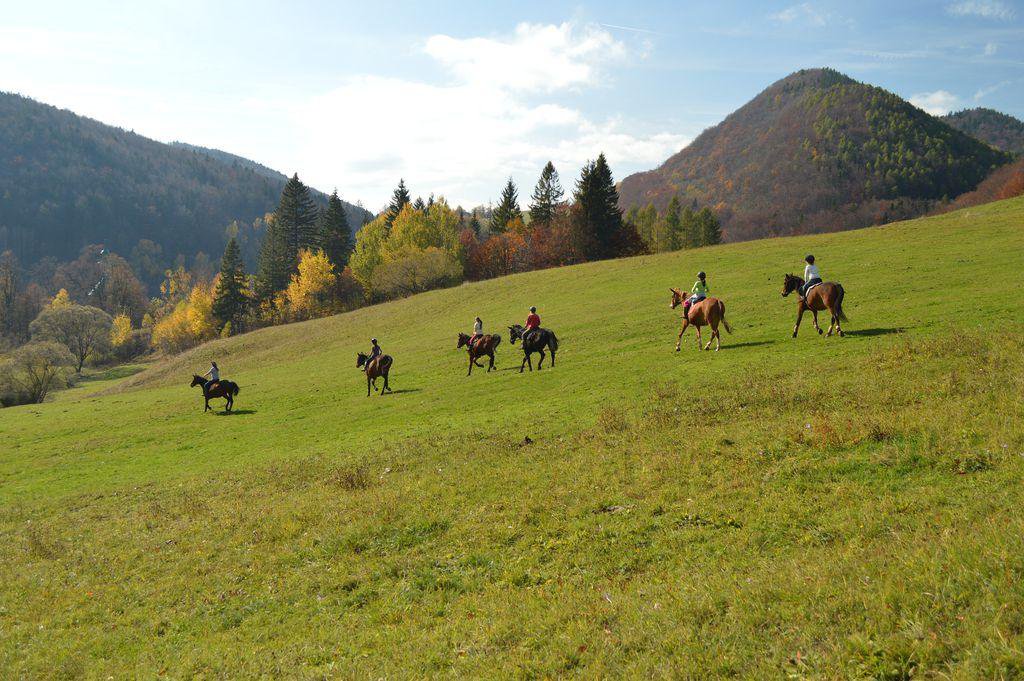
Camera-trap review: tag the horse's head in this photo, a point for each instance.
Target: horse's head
(361, 358)
(677, 298)
(463, 340)
(197, 380)
(790, 284)
(515, 332)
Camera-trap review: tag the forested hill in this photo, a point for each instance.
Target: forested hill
(67, 181)
(992, 127)
(818, 151)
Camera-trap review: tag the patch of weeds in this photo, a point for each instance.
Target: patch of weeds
(351, 479)
(612, 420)
(894, 660)
(973, 463)
(40, 546)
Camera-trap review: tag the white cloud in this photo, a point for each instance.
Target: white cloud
(986, 91)
(936, 103)
(804, 12)
(536, 58)
(987, 9)
(991, 49)
(499, 115)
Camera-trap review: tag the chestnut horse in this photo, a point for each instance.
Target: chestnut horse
(825, 296)
(484, 346)
(377, 367)
(707, 312)
(225, 389)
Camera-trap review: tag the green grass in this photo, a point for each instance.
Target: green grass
(814, 507)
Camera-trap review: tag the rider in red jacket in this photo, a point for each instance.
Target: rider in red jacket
(532, 321)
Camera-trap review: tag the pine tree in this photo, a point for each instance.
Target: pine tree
(296, 216)
(229, 301)
(335, 234)
(419, 205)
(276, 262)
(674, 236)
(474, 223)
(690, 228)
(507, 209)
(398, 201)
(546, 196)
(598, 219)
(710, 227)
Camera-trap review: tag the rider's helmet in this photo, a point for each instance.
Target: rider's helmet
(701, 275)
(373, 340)
(533, 309)
(809, 259)
(214, 364)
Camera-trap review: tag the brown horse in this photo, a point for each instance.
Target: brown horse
(375, 368)
(826, 296)
(707, 312)
(225, 389)
(484, 346)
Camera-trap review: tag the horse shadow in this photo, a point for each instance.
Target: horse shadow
(749, 344)
(235, 412)
(404, 390)
(875, 331)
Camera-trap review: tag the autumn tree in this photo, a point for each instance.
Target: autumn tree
(34, 369)
(335, 234)
(229, 299)
(547, 195)
(507, 209)
(82, 329)
(309, 293)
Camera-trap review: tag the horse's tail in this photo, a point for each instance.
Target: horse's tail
(840, 315)
(235, 389)
(497, 340)
(553, 342)
(724, 320)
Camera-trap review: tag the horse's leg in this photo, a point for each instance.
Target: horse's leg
(799, 315)
(552, 351)
(714, 328)
(679, 339)
(540, 364)
(367, 385)
(815, 317)
(490, 366)
(522, 365)
(470, 372)
(700, 341)
(717, 335)
(832, 321)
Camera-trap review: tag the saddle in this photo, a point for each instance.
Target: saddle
(812, 287)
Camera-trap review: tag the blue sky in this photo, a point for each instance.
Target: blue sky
(456, 97)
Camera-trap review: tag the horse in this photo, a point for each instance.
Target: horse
(484, 346)
(707, 312)
(375, 368)
(225, 389)
(534, 341)
(826, 296)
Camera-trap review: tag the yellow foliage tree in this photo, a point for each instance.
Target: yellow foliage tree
(309, 293)
(120, 330)
(367, 255)
(62, 299)
(190, 323)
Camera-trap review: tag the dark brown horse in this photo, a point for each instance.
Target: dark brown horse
(534, 341)
(825, 296)
(377, 367)
(484, 346)
(707, 312)
(225, 389)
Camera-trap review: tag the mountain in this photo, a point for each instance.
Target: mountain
(818, 151)
(67, 181)
(992, 127)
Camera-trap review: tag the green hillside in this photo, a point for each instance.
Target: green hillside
(817, 507)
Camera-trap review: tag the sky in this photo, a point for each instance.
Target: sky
(456, 97)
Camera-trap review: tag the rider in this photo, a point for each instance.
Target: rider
(532, 321)
(699, 292)
(478, 330)
(214, 374)
(811, 275)
(375, 352)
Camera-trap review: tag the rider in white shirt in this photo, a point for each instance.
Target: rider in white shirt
(811, 275)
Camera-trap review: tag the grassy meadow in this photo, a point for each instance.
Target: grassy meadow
(803, 508)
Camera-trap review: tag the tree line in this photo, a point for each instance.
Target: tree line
(310, 264)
